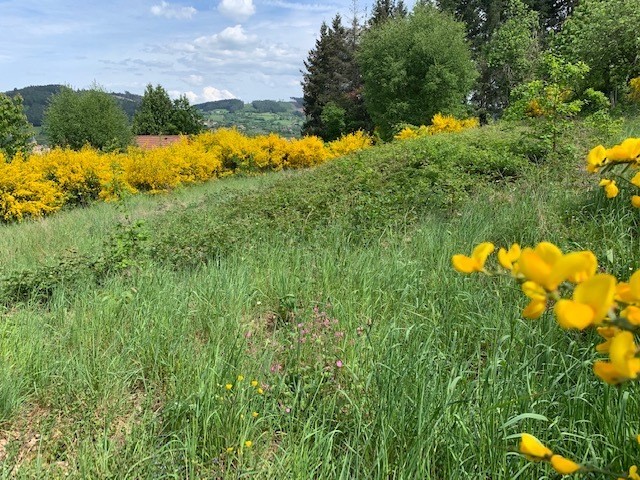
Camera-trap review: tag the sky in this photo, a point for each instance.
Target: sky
(206, 50)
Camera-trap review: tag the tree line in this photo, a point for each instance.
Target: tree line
(461, 56)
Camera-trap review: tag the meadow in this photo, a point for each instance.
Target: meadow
(309, 324)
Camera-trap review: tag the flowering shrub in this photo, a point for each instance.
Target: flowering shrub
(617, 161)
(439, 124)
(581, 297)
(41, 184)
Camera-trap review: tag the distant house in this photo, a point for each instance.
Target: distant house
(147, 142)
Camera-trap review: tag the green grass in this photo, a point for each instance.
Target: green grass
(119, 370)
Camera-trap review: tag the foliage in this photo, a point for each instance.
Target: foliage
(74, 119)
(158, 115)
(552, 101)
(333, 76)
(185, 118)
(414, 68)
(231, 105)
(15, 131)
(385, 10)
(333, 120)
(512, 54)
(611, 56)
(271, 106)
(634, 87)
(36, 99)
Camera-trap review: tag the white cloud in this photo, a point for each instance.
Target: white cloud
(191, 96)
(173, 11)
(211, 94)
(194, 80)
(229, 37)
(303, 7)
(237, 9)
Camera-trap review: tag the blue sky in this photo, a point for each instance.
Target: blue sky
(208, 50)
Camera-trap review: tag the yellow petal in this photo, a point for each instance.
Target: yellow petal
(534, 310)
(504, 260)
(482, 251)
(604, 182)
(571, 314)
(596, 156)
(632, 314)
(607, 372)
(636, 179)
(548, 252)
(533, 267)
(575, 267)
(611, 190)
(534, 291)
(598, 292)
(533, 448)
(635, 201)
(564, 466)
(464, 264)
(634, 285)
(622, 354)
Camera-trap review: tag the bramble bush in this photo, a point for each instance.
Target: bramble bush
(581, 296)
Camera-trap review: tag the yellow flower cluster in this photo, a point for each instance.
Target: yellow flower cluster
(439, 124)
(40, 184)
(582, 298)
(621, 157)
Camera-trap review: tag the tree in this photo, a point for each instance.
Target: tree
(511, 55)
(414, 68)
(333, 120)
(92, 117)
(384, 10)
(333, 75)
(185, 118)
(15, 130)
(604, 35)
(155, 112)
(158, 115)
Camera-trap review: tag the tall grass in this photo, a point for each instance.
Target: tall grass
(408, 370)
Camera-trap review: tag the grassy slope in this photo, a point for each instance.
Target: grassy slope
(122, 374)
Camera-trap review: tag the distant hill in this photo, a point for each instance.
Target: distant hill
(258, 117)
(231, 105)
(36, 98)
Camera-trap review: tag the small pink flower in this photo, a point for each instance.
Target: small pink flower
(339, 364)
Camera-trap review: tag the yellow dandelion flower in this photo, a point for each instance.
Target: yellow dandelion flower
(248, 444)
(228, 386)
(254, 383)
(255, 414)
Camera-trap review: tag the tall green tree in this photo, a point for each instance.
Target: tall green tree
(186, 119)
(511, 54)
(92, 117)
(604, 35)
(154, 116)
(15, 129)
(332, 76)
(414, 68)
(159, 115)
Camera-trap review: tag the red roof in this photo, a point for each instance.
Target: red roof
(148, 142)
